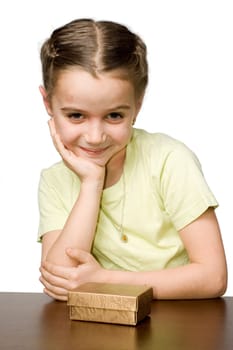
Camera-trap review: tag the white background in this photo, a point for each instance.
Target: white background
(190, 45)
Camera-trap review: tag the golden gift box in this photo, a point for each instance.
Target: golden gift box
(110, 303)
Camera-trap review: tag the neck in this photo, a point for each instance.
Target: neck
(114, 168)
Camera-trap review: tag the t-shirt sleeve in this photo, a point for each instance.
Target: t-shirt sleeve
(53, 214)
(185, 192)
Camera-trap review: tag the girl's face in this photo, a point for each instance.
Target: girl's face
(93, 116)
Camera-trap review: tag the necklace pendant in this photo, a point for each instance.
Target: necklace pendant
(124, 238)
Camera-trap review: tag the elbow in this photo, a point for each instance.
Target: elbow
(221, 287)
(218, 286)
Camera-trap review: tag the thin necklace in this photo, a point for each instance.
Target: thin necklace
(119, 228)
(124, 237)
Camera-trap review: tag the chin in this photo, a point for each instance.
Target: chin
(98, 161)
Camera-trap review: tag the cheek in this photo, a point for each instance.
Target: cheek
(68, 133)
(123, 136)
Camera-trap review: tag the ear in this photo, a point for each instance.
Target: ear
(139, 104)
(46, 100)
(138, 107)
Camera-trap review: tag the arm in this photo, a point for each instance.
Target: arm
(204, 277)
(80, 226)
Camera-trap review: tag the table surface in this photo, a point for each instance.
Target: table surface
(34, 321)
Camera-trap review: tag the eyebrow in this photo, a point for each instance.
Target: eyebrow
(65, 109)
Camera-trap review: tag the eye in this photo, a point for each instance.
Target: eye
(114, 116)
(75, 116)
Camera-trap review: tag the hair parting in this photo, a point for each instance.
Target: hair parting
(97, 47)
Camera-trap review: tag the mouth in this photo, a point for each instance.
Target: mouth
(93, 151)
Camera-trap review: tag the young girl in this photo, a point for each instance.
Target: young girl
(123, 205)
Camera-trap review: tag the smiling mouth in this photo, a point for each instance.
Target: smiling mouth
(94, 151)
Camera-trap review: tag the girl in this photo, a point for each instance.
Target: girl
(123, 205)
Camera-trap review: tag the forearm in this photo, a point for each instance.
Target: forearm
(79, 229)
(191, 281)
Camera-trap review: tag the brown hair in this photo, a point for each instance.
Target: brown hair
(96, 47)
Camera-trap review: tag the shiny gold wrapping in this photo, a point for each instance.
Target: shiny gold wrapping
(110, 303)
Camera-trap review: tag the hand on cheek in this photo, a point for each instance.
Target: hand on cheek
(85, 169)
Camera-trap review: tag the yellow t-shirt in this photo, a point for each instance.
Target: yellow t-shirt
(164, 191)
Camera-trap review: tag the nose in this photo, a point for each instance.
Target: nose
(95, 134)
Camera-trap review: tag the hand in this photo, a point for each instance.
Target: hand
(84, 168)
(58, 280)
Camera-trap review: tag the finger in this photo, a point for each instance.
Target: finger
(58, 144)
(53, 132)
(67, 155)
(51, 127)
(80, 255)
(55, 296)
(56, 276)
(56, 270)
(57, 285)
(56, 290)
(56, 138)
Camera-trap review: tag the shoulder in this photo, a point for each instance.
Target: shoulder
(57, 174)
(155, 139)
(160, 147)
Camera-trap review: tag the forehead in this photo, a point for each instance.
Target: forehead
(79, 86)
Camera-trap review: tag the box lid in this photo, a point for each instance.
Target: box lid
(110, 296)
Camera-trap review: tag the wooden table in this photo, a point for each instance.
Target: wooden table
(33, 321)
